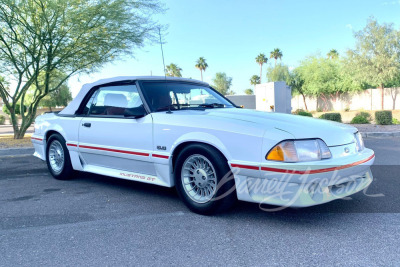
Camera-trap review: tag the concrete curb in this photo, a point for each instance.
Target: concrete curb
(380, 134)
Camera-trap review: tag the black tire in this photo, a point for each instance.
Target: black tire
(225, 194)
(66, 172)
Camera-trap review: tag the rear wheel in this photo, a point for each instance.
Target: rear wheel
(204, 180)
(58, 159)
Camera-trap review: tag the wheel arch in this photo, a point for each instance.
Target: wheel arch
(47, 136)
(211, 141)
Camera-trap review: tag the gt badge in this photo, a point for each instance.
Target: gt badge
(161, 148)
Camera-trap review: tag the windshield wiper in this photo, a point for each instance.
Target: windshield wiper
(212, 105)
(168, 108)
(174, 107)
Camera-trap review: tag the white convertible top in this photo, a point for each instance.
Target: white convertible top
(75, 103)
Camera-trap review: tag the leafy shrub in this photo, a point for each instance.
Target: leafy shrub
(332, 117)
(17, 109)
(302, 112)
(365, 115)
(347, 109)
(305, 113)
(383, 117)
(358, 119)
(2, 119)
(395, 121)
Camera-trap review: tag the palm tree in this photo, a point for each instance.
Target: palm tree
(173, 70)
(255, 80)
(261, 59)
(276, 53)
(249, 91)
(202, 65)
(333, 54)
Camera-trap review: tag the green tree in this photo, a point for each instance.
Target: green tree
(58, 98)
(75, 36)
(17, 109)
(261, 60)
(376, 57)
(249, 91)
(280, 73)
(202, 65)
(323, 77)
(333, 54)
(222, 83)
(296, 83)
(173, 70)
(276, 54)
(255, 80)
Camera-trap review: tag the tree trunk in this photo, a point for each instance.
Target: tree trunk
(370, 90)
(382, 94)
(14, 122)
(260, 73)
(26, 122)
(201, 71)
(304, 100)
(394, 96)
(325, 101)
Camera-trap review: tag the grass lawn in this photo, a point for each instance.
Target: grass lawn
(8, 141)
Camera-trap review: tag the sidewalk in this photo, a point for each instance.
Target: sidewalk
(373, 130)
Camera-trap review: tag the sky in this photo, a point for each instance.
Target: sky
(229, 34)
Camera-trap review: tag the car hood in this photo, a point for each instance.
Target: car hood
(300, 127)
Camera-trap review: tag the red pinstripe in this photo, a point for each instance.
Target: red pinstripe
(306, 171)
(116, 150)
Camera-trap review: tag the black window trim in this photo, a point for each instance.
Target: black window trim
(141, 82)
(88, 96)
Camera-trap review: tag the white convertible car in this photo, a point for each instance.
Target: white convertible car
(181, 132)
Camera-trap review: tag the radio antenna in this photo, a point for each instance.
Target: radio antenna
(165, 71)
(162, 54)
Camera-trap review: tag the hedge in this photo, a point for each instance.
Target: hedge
(2, 119)
(365, 115)
(332, 117)
(302, 112)
(383, 117)
(359, 120)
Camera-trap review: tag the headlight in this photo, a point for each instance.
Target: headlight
(359, 142)
(299, 150)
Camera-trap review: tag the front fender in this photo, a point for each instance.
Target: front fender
(202, 137)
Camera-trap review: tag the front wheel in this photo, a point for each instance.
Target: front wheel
(204, 180)
(58, 159)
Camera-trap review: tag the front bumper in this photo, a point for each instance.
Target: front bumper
(300, 185)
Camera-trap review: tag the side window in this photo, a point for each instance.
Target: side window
(114, 100)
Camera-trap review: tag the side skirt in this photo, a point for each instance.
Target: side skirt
(132, 176)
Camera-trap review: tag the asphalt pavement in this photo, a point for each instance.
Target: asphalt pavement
(94, 220)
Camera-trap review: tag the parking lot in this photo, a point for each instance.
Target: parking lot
(96, 220)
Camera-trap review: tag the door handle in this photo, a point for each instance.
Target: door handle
(87, 124)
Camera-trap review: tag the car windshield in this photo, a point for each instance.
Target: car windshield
(163, 96)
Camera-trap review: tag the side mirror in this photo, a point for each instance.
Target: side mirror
(135, 113)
